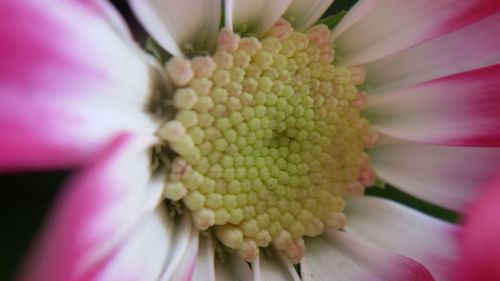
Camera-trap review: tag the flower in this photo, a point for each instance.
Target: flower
(478, 243)
(87, 96)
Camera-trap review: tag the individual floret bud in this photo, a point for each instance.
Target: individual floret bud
(184, 145)
(179, 70)
(180, 169)
(194, 200)
(295, 250)
(314, 228)
(203, 66)
(281, 30)
(224, 60)
(174, 190)
(249, 250)
(203, 218)
(319, 35)
(250, 45)
(185, 98)
(229, 235)
(172, 131)
(263, 238)
(227, 40)
(326, 54)
(282, 240)
(336, 220)
(358, 75)
(367, 177)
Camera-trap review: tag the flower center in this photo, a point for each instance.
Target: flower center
(268, 139)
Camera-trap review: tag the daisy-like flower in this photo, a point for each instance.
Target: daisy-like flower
(242, 152)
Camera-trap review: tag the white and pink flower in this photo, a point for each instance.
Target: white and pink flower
(75, 92)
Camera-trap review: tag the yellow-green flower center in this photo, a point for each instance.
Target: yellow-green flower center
(268, 138)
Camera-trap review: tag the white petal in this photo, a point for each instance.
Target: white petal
(444, 175)
(355, 14)
(276, 267)
(254, 16)
(472, 47)
(144, 254)
(179, 24)
(205, 264)
(340, 256)
(395, 25)
(233, 268)
(304, 13)
(405, 231)
(183, 252)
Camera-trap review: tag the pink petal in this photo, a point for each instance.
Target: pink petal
(444, 175)
(461, 109)
(68, 83)
(399, 229)
(480, 242)
(472, 47)
(340, 256)
(97, 211)
(395, 25)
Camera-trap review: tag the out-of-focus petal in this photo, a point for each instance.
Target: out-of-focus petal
(254, 16)
(472, 47)
(479, 241)
(461, 109)
(68, 83)
(445, 175)
(304, 13)
(410, 233)
(340, 256)
(395, 25)
(180, 24)
(98, 210)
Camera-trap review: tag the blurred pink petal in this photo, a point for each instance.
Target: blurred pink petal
(98, 210)
(480, 239)
(65, 82)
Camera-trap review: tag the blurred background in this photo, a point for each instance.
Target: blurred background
(26, 198)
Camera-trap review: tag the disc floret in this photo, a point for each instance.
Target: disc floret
(268, 138)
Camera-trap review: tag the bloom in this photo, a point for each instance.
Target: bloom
(103, 107)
